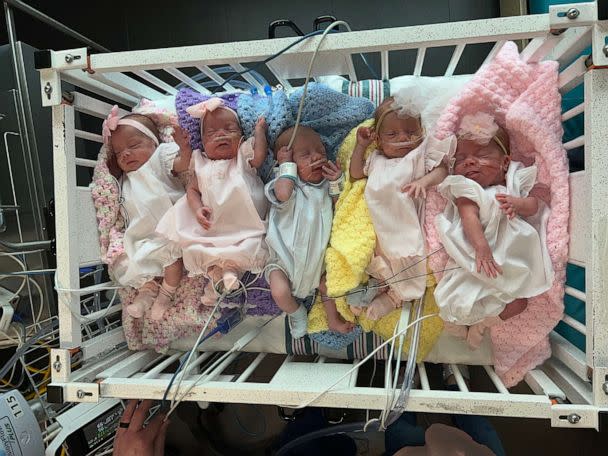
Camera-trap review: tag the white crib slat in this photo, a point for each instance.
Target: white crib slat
(568, 354)
(85, 162)
(424, 378)
(352, 75)
(128, 85)
(454, 60)
(580, 222)
(247, 76)
(161, 366)
(462, 386)
(384, 66)
(252, 367)
(579, 109)
(93, 107)
(187, 80)
(574, 324)
(539, 48)
(283, 81)
(88, 236)
(84, 80)
(540, 383)
(214, 76)
(93, 347)
(577, 390)
(130, 365)
(576, 142)
(88, 136)
(574, 41)
(500, 386)
(419, 61)
(578, 294)
(497, 47)
(156, 81)
(573, 75)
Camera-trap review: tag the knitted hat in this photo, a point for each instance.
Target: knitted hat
(188, 97)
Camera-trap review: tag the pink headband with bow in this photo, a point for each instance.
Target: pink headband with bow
(200, 110)
(113, 121)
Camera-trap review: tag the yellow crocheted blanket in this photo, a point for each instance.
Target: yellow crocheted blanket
(352, 240)
(430, 330)
(351, 249)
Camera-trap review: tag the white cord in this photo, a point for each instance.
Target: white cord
(238, 345)
(186, 366)
(364, 360)
(308, 74)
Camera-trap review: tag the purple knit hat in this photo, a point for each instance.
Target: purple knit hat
(188, 97)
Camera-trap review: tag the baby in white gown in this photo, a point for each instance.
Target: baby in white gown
(398, 173)
(493, 228)
(221, 222)
(147, 176)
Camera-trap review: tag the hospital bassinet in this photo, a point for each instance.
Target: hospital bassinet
(570, 389)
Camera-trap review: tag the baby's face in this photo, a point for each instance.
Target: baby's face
(131, 148)
(399, 135)
(221, 135)
(486, 165)
(309, 155)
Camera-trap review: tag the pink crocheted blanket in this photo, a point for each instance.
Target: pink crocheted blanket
(524, 99)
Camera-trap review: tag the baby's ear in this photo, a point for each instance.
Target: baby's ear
(506, 161)
(112, 163)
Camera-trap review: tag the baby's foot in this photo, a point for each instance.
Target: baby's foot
(209, 297)
(381, 305)
(298, 322)
(356, 310)
(163, 301)
(230, 280)
(143, 300)
(339, 324)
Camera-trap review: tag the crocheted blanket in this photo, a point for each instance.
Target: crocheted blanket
(351, 248)
(524, 99)
(187, 316)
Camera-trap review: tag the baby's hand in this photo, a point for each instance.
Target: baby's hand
(485, 261)
(284, 155)
(203, 216)
(261, 126)
(365, 136)
(181, 137)
(331, 170)
(510, 205)
(415, 189)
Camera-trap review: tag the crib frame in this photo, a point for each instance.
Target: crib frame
(570, 389)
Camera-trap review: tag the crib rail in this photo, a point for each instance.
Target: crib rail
(94, 82)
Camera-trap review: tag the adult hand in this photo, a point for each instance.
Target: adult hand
(133, 439)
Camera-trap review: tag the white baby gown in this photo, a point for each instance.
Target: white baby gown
(147, 194)
(466, 297)
(400, 247)
(235, 194)
(298, 234)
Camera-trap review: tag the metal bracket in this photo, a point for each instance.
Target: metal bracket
(61, 365)
(50, 80)
(81, 392)
(574, 416)
(599, 42)
(572, 15)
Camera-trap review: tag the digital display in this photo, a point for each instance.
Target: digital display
(99, 430)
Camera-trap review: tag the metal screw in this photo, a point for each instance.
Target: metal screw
(572, 13)
(69, 58)
(606, 50)
(48, 89)
(605, 387)
(573, 418)
(57, 366)
(81, 394)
